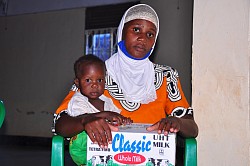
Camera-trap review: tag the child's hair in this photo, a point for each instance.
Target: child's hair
(86, 60)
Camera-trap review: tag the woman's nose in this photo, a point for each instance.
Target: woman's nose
(142, 38)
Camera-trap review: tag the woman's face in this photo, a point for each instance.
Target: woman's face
(139, 36)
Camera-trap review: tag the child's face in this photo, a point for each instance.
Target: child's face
(139, 36)
(91, 82)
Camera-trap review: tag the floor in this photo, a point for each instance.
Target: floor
(21, 153)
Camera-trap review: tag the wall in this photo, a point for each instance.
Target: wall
(36, 67)
(220, 72)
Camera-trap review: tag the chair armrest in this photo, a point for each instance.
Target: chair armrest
(57, 151)
(190, 157)
(2, 113)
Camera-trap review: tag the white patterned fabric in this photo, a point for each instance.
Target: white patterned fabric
(142, 11)
(79, 105)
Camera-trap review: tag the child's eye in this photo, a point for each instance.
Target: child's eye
(87, 80)
(100, 80)
(136, 29)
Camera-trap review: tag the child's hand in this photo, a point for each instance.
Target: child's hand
(166, 125)
(114, 118)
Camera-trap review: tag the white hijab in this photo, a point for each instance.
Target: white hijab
(134, 77)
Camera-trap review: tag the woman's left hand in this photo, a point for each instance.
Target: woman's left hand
(114, 118)
(166, 125)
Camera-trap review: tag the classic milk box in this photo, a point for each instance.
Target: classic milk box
(134, 145)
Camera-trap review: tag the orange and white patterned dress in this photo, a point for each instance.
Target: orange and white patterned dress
(170, 98)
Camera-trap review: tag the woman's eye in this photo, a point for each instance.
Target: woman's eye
(136, 29)
(150, 35)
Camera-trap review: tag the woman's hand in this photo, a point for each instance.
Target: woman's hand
(114, 118)
(166, 125)
(98, 126)
(185, 126)
(99, 131)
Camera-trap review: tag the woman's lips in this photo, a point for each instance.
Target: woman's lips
(140, 48)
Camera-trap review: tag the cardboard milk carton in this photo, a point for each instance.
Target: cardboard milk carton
(134, 145)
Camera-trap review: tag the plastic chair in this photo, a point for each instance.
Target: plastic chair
(57, 152)
(2, 113)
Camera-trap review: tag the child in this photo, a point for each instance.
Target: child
(90, 74)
